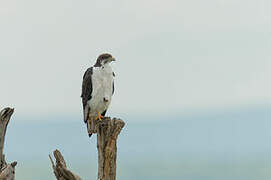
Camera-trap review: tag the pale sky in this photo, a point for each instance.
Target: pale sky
(172, 55)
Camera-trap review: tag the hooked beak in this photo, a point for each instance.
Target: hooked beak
(113, 59)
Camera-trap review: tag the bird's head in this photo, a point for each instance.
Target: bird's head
(104, 59)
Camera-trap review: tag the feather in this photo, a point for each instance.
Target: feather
(86, 91)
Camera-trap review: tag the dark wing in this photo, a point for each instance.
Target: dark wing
(86, 88)
(113, 84)
(103, 114)
(113, 88)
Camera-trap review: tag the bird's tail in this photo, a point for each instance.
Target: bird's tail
(89, 133)
(85, 115)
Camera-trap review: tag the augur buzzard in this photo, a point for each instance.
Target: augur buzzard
(97, 90)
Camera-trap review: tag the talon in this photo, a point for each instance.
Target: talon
(99, 116)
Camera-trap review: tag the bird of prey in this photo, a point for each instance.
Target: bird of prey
(97, 90)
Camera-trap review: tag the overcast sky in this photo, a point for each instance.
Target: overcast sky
(172, 55)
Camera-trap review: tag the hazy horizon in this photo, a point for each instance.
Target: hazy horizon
(222, 145)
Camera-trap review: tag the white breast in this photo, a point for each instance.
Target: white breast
(102, 88)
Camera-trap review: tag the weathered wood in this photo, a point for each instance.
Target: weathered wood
(7, 171)
(60, 169)
(107, 133)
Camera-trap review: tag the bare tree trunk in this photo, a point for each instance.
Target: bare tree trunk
(107, 134)
(60, 169)
(7, 171)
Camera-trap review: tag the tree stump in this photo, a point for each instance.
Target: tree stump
(60, 169)
(107, 133)
(7, 171)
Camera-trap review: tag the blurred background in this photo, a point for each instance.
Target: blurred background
(191, 84)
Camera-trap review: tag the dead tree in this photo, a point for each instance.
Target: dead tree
(7, 171)
(107, 133)
(60, 168)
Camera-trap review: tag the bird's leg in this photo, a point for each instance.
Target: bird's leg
(99, 116)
